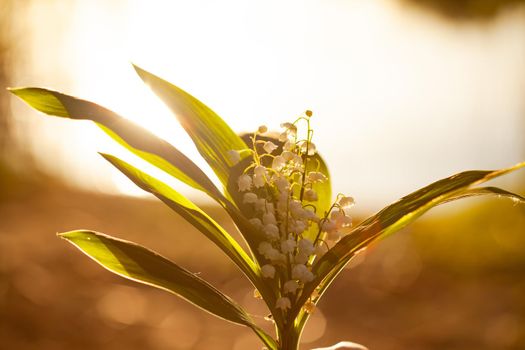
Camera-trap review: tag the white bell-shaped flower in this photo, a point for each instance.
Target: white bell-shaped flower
(276, 256)
(258, 180)
(301, 258)
(244, 182)
(260, 204)
(264, 248)
(301, 273)
(288, 246)
(346, 202)
(256, 222)
(306, 246)
(315, 176)
(259, 170)
(310, 215)
(268, 271)
(234, 156)
(269, 218)
(288, 156)
(310, 195)
(288, 146)
(278, 163)
(269, 147)
(283, 303)
(249, 198)
(328, 225)
(291, 286)
(298, 227)
(271, 231)
(282, 184)
(296, 209)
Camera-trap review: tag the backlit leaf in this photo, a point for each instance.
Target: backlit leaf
(133, 137)
(393, 218)
(142, 265)
(199, 219)
(211, 135)
(323, 190)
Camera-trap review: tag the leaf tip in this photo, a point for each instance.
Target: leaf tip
(110, 158)
(15, 90)
(65, 235)
(141, 72)
(70, 235)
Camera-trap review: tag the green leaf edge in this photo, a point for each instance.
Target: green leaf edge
(56, 104)
(239, 316)
(300, 317)
(212, 136)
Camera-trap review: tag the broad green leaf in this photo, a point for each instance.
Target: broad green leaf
(134, 262)
(407, 209)
(199, 219)
(211, 135)
(483, 191)
(133, 137)
(190, 212)
(323, 190)
(393, 218)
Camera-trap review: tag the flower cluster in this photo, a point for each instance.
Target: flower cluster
(279, 188)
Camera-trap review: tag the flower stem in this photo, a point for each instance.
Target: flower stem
(288, 339)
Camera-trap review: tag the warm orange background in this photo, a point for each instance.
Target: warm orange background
(402, 96)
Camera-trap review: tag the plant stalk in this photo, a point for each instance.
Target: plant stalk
(288, 338)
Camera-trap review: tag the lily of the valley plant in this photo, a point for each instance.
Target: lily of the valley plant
(276, 189)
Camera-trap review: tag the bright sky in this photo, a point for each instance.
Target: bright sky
(400, 98)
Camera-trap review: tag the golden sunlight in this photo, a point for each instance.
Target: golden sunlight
(394, 90)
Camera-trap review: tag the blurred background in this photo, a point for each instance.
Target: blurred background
(404, 92)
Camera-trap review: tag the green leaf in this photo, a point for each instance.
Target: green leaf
(393, 218)
(191, 213)
(199, 219)
(323, 190)
(483, 191)
(133, 137)
(407, 209)
(211, 135)
(142, 265)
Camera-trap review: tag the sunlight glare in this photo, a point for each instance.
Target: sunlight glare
(393, 90)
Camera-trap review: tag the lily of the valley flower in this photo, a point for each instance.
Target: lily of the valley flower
(284, 199)
(234, 156)
(269, 147)
(283, 303)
